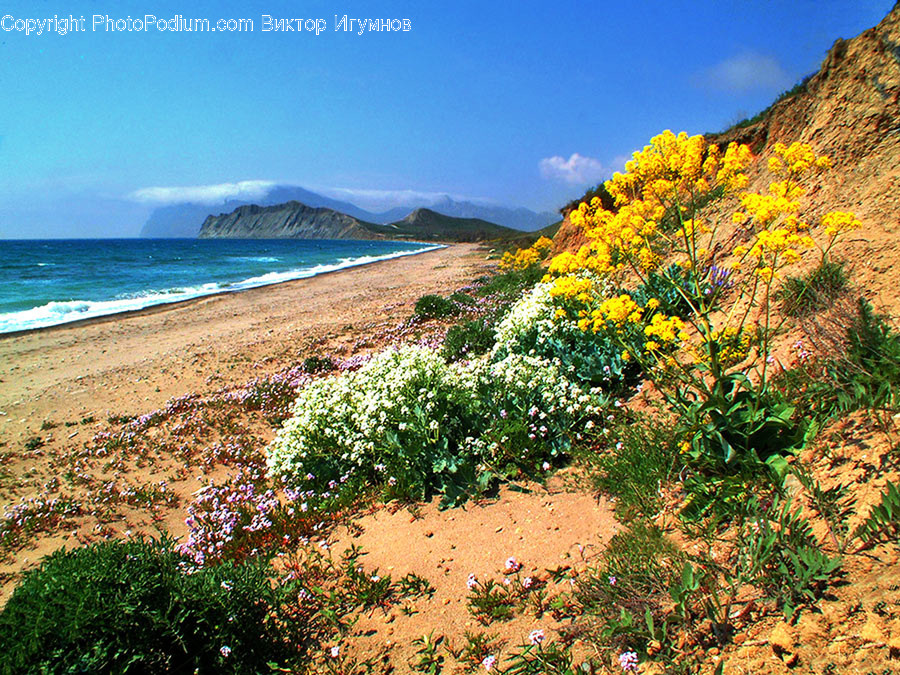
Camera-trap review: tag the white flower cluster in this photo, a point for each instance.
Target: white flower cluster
(530, 318)
(539, 387)
(530, 325)
(343, 421)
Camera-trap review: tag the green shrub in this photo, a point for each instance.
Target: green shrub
(739, 428)
(468, 339)
(435, 307)
(462, 299)
(34, 443)
(872, 370)
(860, 367)
(883, 521)
(135, 607)
(814, 290)
(676, 290)
(317, 364)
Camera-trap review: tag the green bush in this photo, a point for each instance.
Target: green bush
(435, 307)
(739, 428)
(676, 290)
(462, 299)
(872, 371)
(318, 364)
(813, 291)
(861, 369)
(134, 606)
(785, 559)
(468, 339)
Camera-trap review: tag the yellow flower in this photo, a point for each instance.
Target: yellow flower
(570, 287)
(764, 273)
(838, 222)
(666, 329)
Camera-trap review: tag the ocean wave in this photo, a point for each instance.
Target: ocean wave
(62, 312)
(254, 258)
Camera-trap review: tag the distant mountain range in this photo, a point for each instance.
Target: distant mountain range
(186, 219)
(295, 220)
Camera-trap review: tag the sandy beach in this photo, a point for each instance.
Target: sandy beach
(130, 364)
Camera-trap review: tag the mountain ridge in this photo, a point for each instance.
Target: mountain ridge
(295, 220)
(185, 219)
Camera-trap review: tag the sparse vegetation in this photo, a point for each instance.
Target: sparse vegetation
(814, 291)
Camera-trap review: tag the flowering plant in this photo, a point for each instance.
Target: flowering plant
(706, 348)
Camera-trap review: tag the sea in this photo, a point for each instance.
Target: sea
(50, 282)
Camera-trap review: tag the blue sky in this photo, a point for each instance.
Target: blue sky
(521, 103)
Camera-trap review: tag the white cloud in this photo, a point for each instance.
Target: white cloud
(577, 170)
(203, 194)
(744, 73)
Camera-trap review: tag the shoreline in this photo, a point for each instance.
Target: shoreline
(132, 362)
(224, 291)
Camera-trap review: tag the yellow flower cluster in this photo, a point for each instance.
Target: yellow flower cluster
(733, 344)
(570, 287)
(664, 329)
(520, 260)
(838, 222)
(731, 170)
(781, 241)
(670, 164)
(543, 245)
(665, 176)
(585, 259)
(796, 159)
(765, 209)
(613, 312)
(526, 257)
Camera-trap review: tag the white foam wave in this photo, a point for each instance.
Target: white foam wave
(56, 313)
(255, 258)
